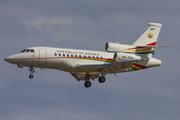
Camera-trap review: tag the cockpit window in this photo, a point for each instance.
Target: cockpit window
(23, 50)
(27, 50)
(32, 50)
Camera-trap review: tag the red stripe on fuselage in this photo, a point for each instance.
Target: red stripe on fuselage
(151, 44)
(143, 67)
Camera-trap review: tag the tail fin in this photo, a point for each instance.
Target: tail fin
(150, 36)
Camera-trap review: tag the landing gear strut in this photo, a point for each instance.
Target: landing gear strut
(102, 78)
(31, 69)
(87, 83)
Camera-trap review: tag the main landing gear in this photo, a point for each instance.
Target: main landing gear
(102, 79)
(31, 69)
(87, 83)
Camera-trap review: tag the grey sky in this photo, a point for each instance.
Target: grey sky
(152, 94)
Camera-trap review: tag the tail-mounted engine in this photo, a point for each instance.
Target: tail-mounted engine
(120, 57)
(114, 47)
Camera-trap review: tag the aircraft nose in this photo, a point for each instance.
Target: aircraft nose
(8, 59)
(13, 58)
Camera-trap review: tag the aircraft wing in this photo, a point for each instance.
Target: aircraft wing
(126, 64)
(95, 70)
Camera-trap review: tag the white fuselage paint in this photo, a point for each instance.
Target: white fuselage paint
(61, 59)
(58, 58)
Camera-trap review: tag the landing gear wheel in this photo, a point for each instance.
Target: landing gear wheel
(87, 84)
(102, 79)
(31, 69)
(31, 76)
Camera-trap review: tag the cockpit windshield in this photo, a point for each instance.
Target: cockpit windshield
(32, 50)
(27, 50)
(23, 50)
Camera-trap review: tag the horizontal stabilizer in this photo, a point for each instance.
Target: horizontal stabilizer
(155, 46)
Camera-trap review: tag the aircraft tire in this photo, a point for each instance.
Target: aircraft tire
(102, 79)
(87, 84)
(31, 76)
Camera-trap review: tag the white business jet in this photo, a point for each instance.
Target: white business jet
(86, 64)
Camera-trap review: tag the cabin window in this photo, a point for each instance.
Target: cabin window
(59, 54)
(71, 55)
(63, 55)
(84, 56)
(55, 54)
(75, 55)
(89, 57)
(67, 55)
(79, 56)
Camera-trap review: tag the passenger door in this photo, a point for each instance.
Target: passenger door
(42, 56)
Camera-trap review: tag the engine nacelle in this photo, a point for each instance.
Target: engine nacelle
(121, 57)
(112, 47)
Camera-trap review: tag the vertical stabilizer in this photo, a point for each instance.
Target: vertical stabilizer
(150, 36)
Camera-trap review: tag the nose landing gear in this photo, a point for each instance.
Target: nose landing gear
(31, 69)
